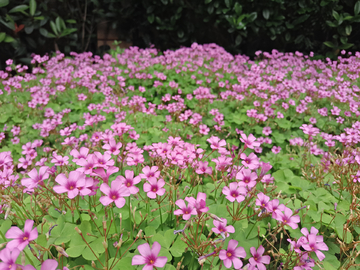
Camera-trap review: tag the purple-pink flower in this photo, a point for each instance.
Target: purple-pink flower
(8, 258)
(115, 194)
(234, 192)
(154, 187)
(287, 218)
(232, 254)
(258, 260)
(72, 185)
(21, 238)
(184, 210)
(130, 181)
(220, 227)
(199, 204)
(249, 141)
(149, 256)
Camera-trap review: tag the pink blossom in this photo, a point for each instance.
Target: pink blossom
(21, 238)
(251, 161)
(220, 227)
(202, 167)
(232, 254)
(258, 260)
(276, 149)
(287, 218)
(72, 185)
(267, 131)
(149, 257)
(216, 143)
(35, 178)
(247, 177)
(130, 181)
(115, 194)
(149, 173)
(112, 147)
(8, 258)
(199, 204)
(105, 175)
(49, 264)
(250, 142)
(154, 188)
(184, 210)
(234, 192)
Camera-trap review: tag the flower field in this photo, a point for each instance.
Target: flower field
(186, 159)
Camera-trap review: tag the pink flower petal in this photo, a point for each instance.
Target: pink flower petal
(145, 250)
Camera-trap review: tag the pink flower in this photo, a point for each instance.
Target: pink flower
(276, 149)
(8, 258)
(49, 264)
(263, 201)
(71, 185)
(130, 181)
(247, 177)
(149, 257)
(105, 176)
(232, 254)
(313, 242)
(150, 172)
(202, 167)
(251, 161)
(154, 188)
(203, 129)
(305, 263)
(287, 218)
(115, 194)
(222, 163)
(234, 192)
(112, 147)
(220, 227)
(258, 260)
(77, 156)
(199, 204)
(184, 210)
(103, 161)
(87, 164)
(21, 238)
(249, 141)
(267, 131)
(216, 143)
(35, 178)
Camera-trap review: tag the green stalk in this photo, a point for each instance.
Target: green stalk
(131, 227)
(161, 220)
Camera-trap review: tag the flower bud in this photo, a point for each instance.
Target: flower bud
(105, 244)
(61, 251)
(139, 234)
(215, 217)
(78, 230)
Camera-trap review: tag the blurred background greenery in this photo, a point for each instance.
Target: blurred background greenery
(44, 26)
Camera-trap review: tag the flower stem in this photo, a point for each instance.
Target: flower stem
(131, 227)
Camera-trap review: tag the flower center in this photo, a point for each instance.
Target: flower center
(151, 261)
(154, 189)
(25, 238)
(113, 197)
(71, 187)
(128, 184)
(229, 254)
(285, 221)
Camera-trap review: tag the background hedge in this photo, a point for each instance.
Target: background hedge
(43, 26)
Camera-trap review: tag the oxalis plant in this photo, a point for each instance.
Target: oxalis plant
(187, 159)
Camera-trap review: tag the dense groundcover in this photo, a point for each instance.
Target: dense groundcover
(186, 159)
